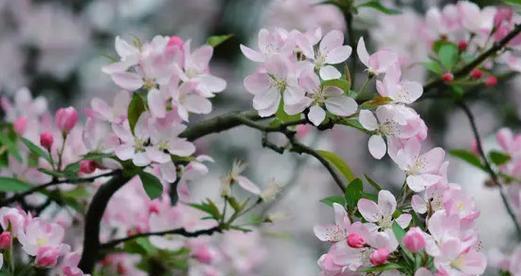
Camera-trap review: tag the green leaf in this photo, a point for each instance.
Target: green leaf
(374, 4)
(468, 157)
(399, 233)
(498, 158)
(36, 150)
(8, 184)
(382, 268)
(151, 184)
(340, 83)
(434, 67)
(338, 163)
(216, 40)
(71, 170)
(448, 55)
(9, 141)
(353, 193)
(135, 108)
(376, 102)
(208, 207)
(513, 2)
(334, 199)
(283, 116)
(373, 183)
(354, 123)
(235, 205)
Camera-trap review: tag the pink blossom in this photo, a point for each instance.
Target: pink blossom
(41, 239)
(377, 63)
(69, 264)
(400, 91)
(319, 98)
(330, 51)
(270, 43)
(421, 169)
(133, 145)
(382, 213)
(391, 121)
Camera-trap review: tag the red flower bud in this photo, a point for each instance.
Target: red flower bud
(46, 140)
(5, 240)
(87, 166)
(476, 74)
(447, 77)
(462, 45)
(66, 118)
(491, 81)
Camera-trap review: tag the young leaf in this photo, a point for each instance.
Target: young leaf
(353, 193)
(498, 158)
(448, 55)
(434, 67)
(283, 116)
(340, 83)
(151, 184)
(468, 157)
(382, 268)
(375, 102)
(36, 150)
(8, 184)
(338, 163)
(334, 199)
(373, 183)
(135, 108)
(375, 4)
(216, 40)
(9, 141)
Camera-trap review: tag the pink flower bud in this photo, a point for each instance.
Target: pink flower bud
(66, 118)
(414, 240)
(203, 255)
(175, 41)
(87, 166)
(379, 257)
(491, 81)
(20, 124)
(46, 140)
(355, 240)
(462, 45)
(47, 256)
(5, 240)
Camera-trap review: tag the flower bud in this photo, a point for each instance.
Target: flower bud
(491, 81)
(203, 255)
(20, 124)
(46, 140)
(87, 166)
(47, 256)
(66, 118)
(462, 45)
(476, 74)
(175, 41)
(5, 240)
(447, 77)
(414, 240)
(355, 240)
(379, 257)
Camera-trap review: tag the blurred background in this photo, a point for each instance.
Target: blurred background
(56, 49)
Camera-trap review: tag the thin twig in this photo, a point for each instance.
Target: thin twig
(20, 196)
(488, 167)
(179, 231)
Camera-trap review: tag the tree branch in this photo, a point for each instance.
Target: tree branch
(179, 231)
(489, 169)
(465, 70)
(20, 196)
(91, 243)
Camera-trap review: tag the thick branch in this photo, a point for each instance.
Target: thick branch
(91, 243)
(217, 124)
(179, 231)
(489, 169)
(20, 196)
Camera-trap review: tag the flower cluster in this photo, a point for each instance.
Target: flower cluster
(296, 74)
(443, 236)
(41, 240)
